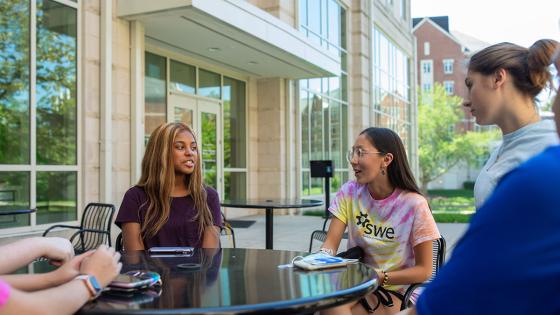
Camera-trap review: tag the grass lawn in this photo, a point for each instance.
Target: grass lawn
(452, 206)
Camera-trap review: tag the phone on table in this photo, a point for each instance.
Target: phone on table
(170, 251)
(135, 280)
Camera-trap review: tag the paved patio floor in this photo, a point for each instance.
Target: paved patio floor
(292, 232)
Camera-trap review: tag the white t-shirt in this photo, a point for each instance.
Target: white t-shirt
(516, 148)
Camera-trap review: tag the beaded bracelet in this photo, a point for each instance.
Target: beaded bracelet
(385, 278)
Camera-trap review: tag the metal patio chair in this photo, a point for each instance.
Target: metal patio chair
(94, 229)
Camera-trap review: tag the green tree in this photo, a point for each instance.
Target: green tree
(441, 145)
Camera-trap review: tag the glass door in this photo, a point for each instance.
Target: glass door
(211, 143)
(204, 117)
(182, 109)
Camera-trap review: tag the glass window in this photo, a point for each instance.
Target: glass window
(56, 197)
(304, 110)
(209, 149)
(344, 87)
(303, 14)
(14, 83)
(426, 48)
(315, 85)
(209, 84)
(391, 86)
(183, 77)
(305, 183)
(322, 104)
(426, 66)
(334, 24)
(316, 126)
(235, 185)
(449, 87)
(234, 123)
(335, 134)
(334, 87)
(55, 114)
(56, 83)
(314, 16)
(155, 93)
(448, 66)
(14, 195)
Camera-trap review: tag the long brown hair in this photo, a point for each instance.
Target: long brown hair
(158, 178)
(528, 67)
(386, 141)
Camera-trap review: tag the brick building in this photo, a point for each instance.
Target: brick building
(442, 57)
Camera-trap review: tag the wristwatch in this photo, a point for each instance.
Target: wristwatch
(92, 285)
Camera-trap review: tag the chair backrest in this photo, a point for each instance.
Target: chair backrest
(227, 229)
(97, 216)
(438, 249)
(119, 243)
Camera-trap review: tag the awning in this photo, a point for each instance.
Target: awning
(231, 33)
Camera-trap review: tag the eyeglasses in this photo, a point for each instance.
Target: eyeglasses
(360, 153)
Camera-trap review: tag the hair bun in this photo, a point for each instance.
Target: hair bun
(539, 58)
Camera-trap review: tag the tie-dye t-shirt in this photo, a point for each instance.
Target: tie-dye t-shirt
(386, 229)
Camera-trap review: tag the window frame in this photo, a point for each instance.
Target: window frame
(426, 48)
(33, 167)
(447, 84)
(448, 66)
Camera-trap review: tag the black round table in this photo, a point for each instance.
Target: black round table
(236, 281)
(269, 205)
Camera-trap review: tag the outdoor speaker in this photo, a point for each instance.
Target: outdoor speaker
(322, 168)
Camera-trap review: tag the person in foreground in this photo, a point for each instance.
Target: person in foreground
(386, 216)
(503, 82)
(63, 291)
(508, 260)
(170, 205)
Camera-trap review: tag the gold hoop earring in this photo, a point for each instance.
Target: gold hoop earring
(382, 171)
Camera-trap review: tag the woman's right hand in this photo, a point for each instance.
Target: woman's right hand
(103, 264)
(57, 249)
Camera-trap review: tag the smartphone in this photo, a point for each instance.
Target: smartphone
(129, 282)
(135, 279)
(171, 251)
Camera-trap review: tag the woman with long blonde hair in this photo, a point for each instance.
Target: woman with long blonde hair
(170, 205)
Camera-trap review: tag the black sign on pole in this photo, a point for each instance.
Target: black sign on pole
(323, 169)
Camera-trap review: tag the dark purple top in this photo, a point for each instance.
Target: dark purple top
(180, 229)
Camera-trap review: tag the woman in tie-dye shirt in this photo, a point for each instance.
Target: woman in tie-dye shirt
(386, 216)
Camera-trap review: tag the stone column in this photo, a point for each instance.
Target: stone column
(359, 68)
(272, 143)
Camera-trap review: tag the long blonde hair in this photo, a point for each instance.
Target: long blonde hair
(158, 178)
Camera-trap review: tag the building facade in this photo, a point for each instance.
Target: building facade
(266, 85)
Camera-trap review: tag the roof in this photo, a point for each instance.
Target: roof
(417, 22)
(441, 21)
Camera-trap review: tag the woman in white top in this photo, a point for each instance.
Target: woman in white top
(503, 82)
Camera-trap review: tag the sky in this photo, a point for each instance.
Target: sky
(518, 21)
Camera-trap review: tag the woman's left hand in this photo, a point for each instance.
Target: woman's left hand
(70, 269)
